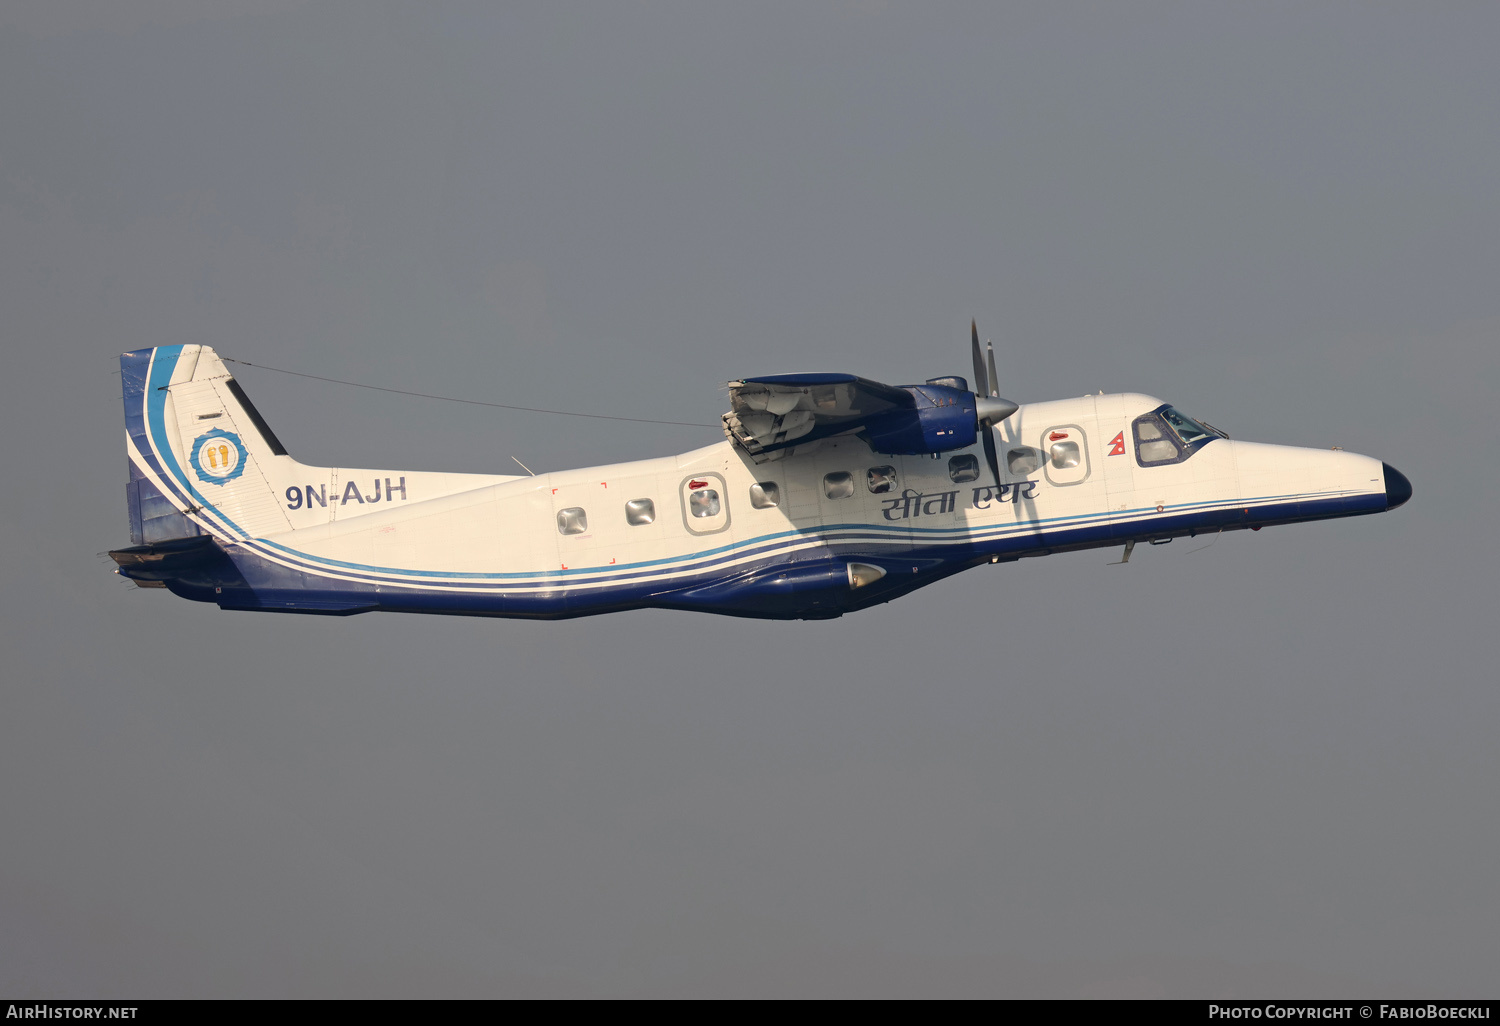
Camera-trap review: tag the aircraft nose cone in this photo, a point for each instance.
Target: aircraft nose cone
(1397, 487)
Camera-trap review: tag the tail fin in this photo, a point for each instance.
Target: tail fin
(204, 462)
(201, 456)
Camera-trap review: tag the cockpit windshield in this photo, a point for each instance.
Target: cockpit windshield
(1188, 429)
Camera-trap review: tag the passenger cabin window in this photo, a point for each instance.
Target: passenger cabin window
(838, 485)
(963, 468)
(704, 503)
(572, 520)
(1065, 455)
(1165, 436)
(765, 494)
(1023, 460)
(639, 512)
(880, 479)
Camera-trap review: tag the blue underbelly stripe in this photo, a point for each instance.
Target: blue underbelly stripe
(725, 557)
(624, 594)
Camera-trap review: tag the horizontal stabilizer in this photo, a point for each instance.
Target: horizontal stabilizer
(167, 560)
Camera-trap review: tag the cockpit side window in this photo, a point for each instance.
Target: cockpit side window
(1153, 447)
(1165, 436)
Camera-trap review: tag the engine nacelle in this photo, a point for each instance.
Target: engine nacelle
(944, 420)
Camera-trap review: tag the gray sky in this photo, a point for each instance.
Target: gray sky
(1263, 768)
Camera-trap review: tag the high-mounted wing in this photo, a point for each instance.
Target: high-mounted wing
(769, 415)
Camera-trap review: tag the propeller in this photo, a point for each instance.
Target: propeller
(989, 408)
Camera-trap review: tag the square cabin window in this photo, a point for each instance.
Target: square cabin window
(1023, 460)
(704, 503)
(639, 512)
(880, 479)
(765, 495)
(838, 485)
(963, 468)
(1065, 455)
(572, 520)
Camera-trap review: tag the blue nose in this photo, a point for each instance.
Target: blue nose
(1397, 487)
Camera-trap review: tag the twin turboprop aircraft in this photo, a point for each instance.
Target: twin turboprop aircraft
(829, 493)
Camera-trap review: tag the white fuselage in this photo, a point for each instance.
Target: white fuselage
(509, 533)
(221, 513)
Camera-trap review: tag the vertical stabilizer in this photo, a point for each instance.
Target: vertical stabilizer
(202, 458)
(203, 461)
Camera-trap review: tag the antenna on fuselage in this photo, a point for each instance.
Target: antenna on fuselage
(525, 467)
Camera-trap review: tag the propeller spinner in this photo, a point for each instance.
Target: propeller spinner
(989, 408)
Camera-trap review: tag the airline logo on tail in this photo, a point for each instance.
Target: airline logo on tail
(218, 456)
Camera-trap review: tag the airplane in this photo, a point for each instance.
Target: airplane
(829, 493)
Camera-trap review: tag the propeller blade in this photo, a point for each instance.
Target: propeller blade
(981, 384)
(991, 455)
(989, 408)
